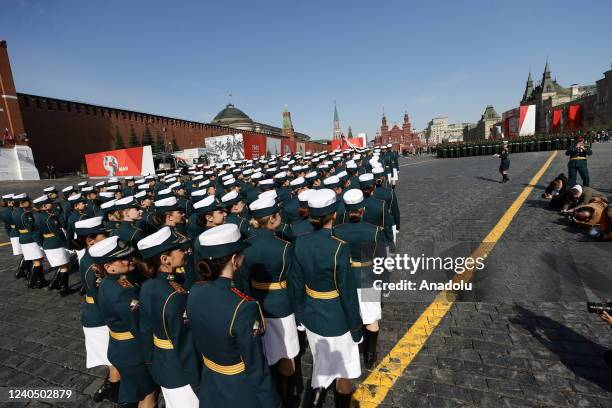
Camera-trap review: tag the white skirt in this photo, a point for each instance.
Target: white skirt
(369, 305)
(96, 346)
(57, 256)
(16, 246)
(333, 357)
(280, 339)
(181, 397)
(32, 251)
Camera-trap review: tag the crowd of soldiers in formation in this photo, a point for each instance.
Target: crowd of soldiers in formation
(210, 282)
(581, 204)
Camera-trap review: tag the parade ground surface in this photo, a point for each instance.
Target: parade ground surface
(520, 338)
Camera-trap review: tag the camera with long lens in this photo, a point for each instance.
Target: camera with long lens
(594, 307)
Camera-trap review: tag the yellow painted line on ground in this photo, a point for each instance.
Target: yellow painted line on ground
(374, 388)
(4, 244)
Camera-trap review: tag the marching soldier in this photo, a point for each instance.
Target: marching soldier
(29, 240)
(303, 226)
(387, 195)
(375, 209)
(92, 208)
(264, 273)
(227, 326)
(78, 205)
(234, 207)
(324, 290)
(504, 164)
(54, 243)
(364, 242)
(8, 211)
(167, 340)
(51, 192)
(578, 162)
(130, 215)
(89, 232)
(118, 302)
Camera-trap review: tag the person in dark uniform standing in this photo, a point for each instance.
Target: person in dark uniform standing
(324, 290)
(227, 326)
(234, 206)
(77, 203)
(264, 274)
(54, 243)
(8, 203)
(578, 162)
(504, 164)
(89, 232)
(129, 231)
(303, 226)
(365, 244)
(167, 340)
(30, 240)
(118, 302)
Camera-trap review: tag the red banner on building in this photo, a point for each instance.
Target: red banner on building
(574, 118)
(135, 161)
(557, 118)
(347, 143)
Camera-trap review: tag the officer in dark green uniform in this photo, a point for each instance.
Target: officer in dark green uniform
(54, 243)
(324, 291)
(376, 211)
(291, 205)
(167, 341)
(365, 245)
(8, 209)
(303, 226)
(234, 206)
(129, 231)
(110, 214)
(387, 195)
(92, 208)
(578, 162)
(227, 326)
(263, 275)
(130, 186)
(118, 302)
(78, 205)
(30, 240)
(90, 231)
(51, 192)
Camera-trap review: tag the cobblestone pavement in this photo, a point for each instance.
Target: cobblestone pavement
(521, 338)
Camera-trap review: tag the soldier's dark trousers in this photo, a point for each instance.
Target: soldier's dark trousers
(580, 168)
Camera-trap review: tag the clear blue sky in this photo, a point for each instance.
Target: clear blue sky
(182, 59)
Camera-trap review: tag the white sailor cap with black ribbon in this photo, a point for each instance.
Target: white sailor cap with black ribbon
(366, 180)
(206, 205)
(332, 182)
(263, 207)
(322, 202)
(297, 183)
(280, 177)
(229, 199)
(165, 193)
(82, 184)
(197, 178)
(342, 175)
(67, 189)
(109, 250)
(76, 198)
(141, 196)
(220, 241)
(229, 183)
(176, 186)
(90, 226)
(43, 199)
(313, 175)
(378, 171)
(198, 193)
(88, 190)
(127, 202)
(143, 187)
(160, 242)
(106, 195)
(303, 197)
(21, 197)
(205, 183)
(227, 177)
(51, 189)
(128, 178)
(8, 197)
(100, 184)
(353, 199)
(109, 206)
(167, 204)
(268, 194)
(266, 183)
(139, 181)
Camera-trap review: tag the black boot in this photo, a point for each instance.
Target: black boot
(55, 282)
(370, 355)
(284, 385)
(108, 391)
(342, 400)
(21, 269)
(64, 287)
(37, 280)
(315, 397)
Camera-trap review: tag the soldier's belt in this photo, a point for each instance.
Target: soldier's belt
(49, 235)
(162, 344)
(357, 264)
(321, 295)
(121, 335)
(90, 300)
(269, 285)
(23, 231)
(578, 158)
(224, 369)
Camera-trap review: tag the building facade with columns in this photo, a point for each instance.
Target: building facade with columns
(401, 138)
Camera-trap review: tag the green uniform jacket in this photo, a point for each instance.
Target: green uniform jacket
(91, 316)
(193, 228)
(25, 225)
(242, 223)
(51, 230)
(174, 361)
(130, 233)
(267, 261)
(118, 302)
(227, 327)
(72, 219)
(7, 218)
(322, 263)
(388, 196)
(376, 213)
(290, 210)
(301, 227)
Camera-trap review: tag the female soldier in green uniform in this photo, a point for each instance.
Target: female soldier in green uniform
(234, 206)
(227, 327)
(264, 274)
(118, 302)
(90, 231)
(29, 240)
(167, 340)
(504, 164)
(324, 290)
(54, 243)
(129, 232)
